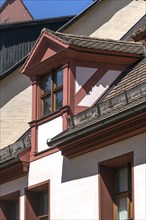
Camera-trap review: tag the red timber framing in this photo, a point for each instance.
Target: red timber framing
(10, 206)
(33, 201)
(50, 53)
(107, 186)
(18, 169)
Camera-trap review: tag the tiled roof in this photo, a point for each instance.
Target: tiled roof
(129, 92)
(103, 111)
(140, 29)
(10, 152)
(135, 76)
(97, 43)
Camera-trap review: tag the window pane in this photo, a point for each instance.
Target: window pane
(59, 78)
(122, 209)
(15, 210)
(122, 179)
(47, 83)
(47, 105)
(44, 203)
(59, 99)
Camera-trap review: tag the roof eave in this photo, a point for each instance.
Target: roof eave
(69, 140)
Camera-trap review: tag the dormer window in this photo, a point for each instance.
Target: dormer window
(52, 92)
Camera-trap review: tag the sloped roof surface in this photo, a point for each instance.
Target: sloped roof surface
(17, 40)
(98, 44)
(11, 152)
(129, 92)
(139, 29)
(135, 76)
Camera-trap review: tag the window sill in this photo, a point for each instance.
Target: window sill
(49, 117)
(43, 217)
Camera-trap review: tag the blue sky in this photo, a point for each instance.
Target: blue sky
(53, 8)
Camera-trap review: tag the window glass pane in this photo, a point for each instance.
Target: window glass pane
(44, 203)
(59, 99)
(122, 179)
(47, 105)
(122, 209)
(59, 78)
(15, 210)
(47, 83)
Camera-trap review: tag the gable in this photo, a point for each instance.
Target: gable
(45, 47)
(7, 10)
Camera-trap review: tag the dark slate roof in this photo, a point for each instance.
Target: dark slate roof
(98, 44)
(17, 40)
(10, 153)
(132, 78)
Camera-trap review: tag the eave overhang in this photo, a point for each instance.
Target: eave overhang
(15, 167)
(54, 49)
(105, 130)
(73, 52)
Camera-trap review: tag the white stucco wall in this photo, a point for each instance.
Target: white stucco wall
(47, 131)
(99, 89)
(13, 186)
(83, 74)
(74, 182)
(15, 107)
(109, 19)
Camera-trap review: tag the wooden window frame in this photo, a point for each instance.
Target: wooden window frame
(126, 194)
(107, 188)
(5, 201)
(32, 202)
(51, 93)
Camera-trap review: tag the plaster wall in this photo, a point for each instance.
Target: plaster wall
(99, 89)
(15, 107)
(74, 182)
(47, 131)
(14, 11)
(109, 19)
(13, 186)
(83, 74)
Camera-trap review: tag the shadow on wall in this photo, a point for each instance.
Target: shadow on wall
(11, 86)
(110, 9)
(87, 165)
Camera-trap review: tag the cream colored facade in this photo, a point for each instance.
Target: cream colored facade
(109, 19)
(15, 94)
(74, 184)
(15, 104)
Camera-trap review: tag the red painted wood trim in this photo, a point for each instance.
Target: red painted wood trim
(62, 57)
(122, 160)
(14, 172)
(104, 137)
(9, 197)
(45, 185)
(36, 156)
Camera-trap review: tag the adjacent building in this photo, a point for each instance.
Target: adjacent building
(84, 156)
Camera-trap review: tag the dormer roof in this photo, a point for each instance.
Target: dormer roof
(55, 42)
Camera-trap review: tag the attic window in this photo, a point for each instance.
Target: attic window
(52, 92)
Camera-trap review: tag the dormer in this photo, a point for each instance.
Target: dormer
(70, 74)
